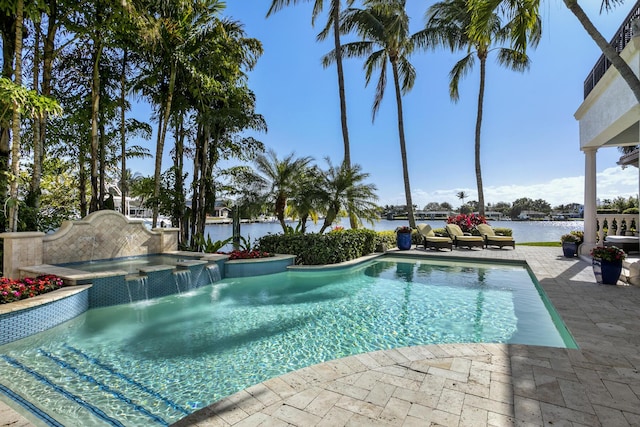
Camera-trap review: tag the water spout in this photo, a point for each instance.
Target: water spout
(143, 286)
(91, 239)
(183, 280)
(213, 271)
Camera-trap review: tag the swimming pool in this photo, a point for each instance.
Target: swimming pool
(152, 363)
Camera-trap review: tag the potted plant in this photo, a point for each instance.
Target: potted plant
(607, 263)
(403, 237)
(570, 244)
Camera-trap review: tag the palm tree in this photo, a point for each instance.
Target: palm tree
(384, 29)
(333, 23)
(282, 176)
(449, 24)
(345, 190)
(177, 26)
(462, 195)
(308, 197)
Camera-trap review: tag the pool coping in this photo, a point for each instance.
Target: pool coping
(42, 299)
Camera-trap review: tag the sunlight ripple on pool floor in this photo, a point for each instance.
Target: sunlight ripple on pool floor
(183, 352)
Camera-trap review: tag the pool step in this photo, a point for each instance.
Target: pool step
(86, 388)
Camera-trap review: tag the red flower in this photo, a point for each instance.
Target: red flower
(14, 290)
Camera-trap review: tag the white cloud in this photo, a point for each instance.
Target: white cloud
(611, 183)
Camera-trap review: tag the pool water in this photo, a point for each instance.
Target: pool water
(152, 363)
(129, 264)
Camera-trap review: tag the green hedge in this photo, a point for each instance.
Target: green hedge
(389, 238)
(320, 249)
(503, 231)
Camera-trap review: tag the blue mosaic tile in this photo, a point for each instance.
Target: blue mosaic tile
(107, 291)
(21, 324)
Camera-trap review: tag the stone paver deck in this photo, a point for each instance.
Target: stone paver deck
(468, 384)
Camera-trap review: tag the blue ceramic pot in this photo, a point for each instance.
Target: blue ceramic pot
(569, 249)
(403, 240)
(606, 272)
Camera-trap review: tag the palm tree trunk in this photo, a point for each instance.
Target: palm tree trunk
(179, 204)
(403, 149)
(341, 88)
(33, 198)
(343, 98)
(15, 124)
(123, 135)
(483, 66)
(281, 204)
(82, 181)
(8, 29)
(41, 127)
(95, 137)
(609, 52)
(102, 149)
(160, 144)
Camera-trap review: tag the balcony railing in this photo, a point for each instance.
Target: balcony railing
(619, 41)
(615, 224)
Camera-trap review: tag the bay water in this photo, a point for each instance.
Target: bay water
(523, 231)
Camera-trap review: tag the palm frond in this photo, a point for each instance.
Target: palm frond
(407, 74)
(460, 70)
(513, 59)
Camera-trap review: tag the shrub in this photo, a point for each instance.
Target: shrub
(15, 290)
(319, 249)
(569, 238)
(630, 211)
(606, 211)
(579, 234)
(440, 232)
(387, 238)
(503, 231)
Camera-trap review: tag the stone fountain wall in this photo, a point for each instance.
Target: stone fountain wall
(100, 235)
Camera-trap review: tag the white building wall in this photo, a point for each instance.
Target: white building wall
(611, 107)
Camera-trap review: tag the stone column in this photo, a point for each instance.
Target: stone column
(22, 249)
(589, 200)
(168, 240)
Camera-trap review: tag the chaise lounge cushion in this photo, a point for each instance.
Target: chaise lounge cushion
(461, 239)
(626, 243)
(492, 239)
(430, 240)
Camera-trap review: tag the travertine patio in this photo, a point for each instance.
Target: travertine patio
(468, 384)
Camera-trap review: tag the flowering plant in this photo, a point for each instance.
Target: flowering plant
(608, 253)
(570, 238)
(403, 229)
(252, 254)
(467, 223)
(15, 290)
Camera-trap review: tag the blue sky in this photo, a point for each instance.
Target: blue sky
(530, 141)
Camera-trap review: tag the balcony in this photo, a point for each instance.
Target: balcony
(619, 41)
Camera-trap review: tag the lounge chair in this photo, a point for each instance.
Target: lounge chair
(626, 243)
(493, 239)
(431, 241)
(462, 239)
